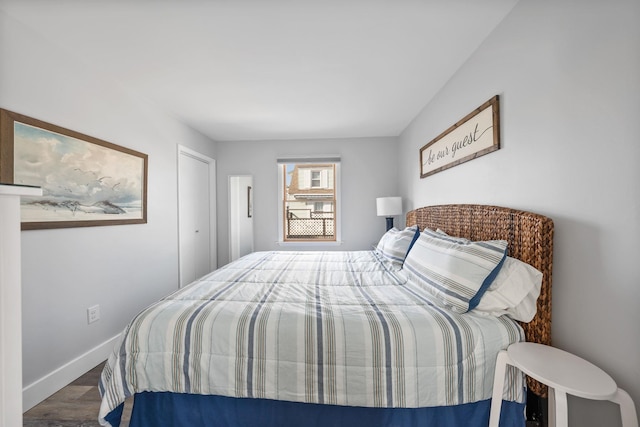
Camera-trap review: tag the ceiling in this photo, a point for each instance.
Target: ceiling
(272, 69)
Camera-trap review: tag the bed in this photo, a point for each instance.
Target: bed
(339, 338)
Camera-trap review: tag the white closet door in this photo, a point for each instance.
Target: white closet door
(195, 194)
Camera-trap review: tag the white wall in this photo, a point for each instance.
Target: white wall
(366, 169)
(121, 268)
(568, 76)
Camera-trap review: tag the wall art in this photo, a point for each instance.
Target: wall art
(85, 181)
(475, 135)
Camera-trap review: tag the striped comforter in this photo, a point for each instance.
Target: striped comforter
(323, 327)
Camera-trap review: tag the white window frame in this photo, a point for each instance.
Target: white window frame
(338, 207)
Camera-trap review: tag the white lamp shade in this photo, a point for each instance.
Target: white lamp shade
(389, 206)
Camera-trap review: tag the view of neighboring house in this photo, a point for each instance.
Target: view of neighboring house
(309, 203)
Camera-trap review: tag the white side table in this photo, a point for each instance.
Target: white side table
(565, 374)
(11, 304)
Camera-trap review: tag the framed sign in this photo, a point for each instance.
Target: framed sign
(85, 181)
(475, 135)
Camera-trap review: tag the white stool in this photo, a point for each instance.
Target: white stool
(565, 374)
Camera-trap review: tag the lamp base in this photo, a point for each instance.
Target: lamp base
(389, 223)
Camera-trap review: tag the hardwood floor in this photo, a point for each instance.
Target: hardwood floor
(76, 405)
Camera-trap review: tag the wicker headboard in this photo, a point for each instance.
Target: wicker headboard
(530, 238)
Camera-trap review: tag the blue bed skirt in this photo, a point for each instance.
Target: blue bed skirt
(152, 409)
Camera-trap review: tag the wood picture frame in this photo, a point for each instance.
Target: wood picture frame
(476, 134)
(85, 181)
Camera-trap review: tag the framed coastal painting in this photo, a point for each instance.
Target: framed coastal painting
(85, 181)
(476, 134)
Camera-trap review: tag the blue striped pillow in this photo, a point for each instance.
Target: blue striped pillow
(395, 244)
(455, 271)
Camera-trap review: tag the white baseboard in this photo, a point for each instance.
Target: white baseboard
(40, 389)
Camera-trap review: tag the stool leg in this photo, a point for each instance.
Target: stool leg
(551, 408)
(498, 387)
(627, 408)
(561, 410)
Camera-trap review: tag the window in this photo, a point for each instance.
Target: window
(308, 200)
(315, 179)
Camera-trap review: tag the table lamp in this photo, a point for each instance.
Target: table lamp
(389, 207)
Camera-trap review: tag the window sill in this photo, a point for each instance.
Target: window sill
(309, 244)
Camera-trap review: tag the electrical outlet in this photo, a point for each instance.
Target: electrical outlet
(93, 314)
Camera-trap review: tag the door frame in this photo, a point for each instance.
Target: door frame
(213, 250)
(230, 216)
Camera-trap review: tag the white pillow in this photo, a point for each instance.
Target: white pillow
(514, 291)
